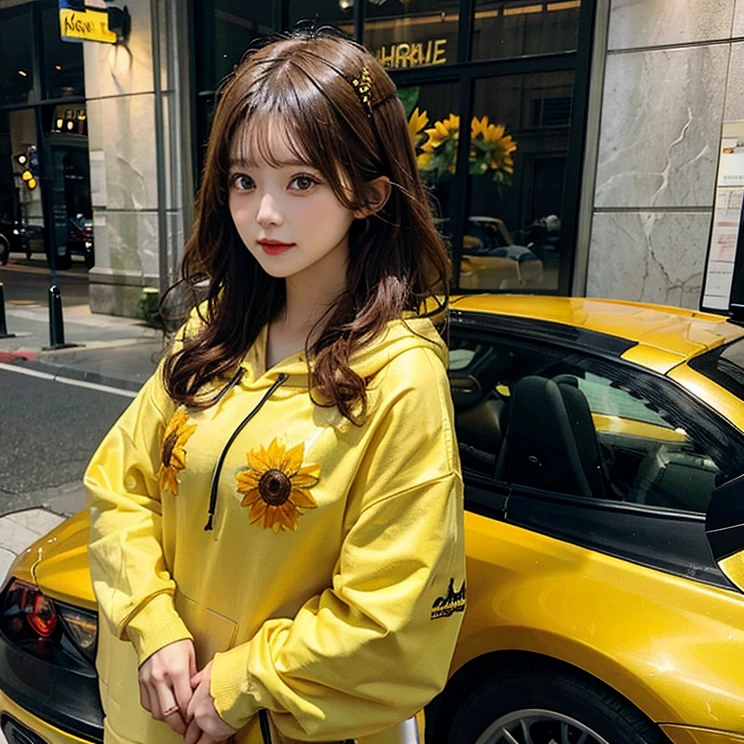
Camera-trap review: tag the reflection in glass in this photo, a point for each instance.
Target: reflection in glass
(412, 33)
(16, 55)
(513, 29)
(339, 13)
(23, 203)
(519, 141)
(433, 124)
(63, 60)
(226, 30)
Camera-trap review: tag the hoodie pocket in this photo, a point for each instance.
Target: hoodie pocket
(212, 632)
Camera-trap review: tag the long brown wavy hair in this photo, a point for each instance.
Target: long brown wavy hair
(397, 258)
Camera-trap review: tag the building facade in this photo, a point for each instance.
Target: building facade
(587, 162)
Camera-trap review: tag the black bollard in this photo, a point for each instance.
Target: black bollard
(3, 325)
(56, 326)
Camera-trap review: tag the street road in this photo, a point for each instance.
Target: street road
(48, 432)
(26, 282)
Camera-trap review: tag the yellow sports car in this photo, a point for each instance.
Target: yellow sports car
(596, 439)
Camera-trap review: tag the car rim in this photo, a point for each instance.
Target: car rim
(534, 726)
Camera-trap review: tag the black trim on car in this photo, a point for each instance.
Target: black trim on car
(665, 540)
(729, 375)
(724, 521)
(62, 698)
(485, 497)
(544, 331)
(669, 541)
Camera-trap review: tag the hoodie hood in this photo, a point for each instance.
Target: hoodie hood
(399, 336)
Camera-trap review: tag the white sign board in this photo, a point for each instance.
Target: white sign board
(727, 213)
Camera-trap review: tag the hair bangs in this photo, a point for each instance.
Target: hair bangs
(257, 140)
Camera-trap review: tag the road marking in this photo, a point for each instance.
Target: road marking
(96, 386)
(68, 381)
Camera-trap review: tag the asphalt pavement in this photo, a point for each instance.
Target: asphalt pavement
(56, 404)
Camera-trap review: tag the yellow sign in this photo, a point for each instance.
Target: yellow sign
(413, 55)
(90, 25)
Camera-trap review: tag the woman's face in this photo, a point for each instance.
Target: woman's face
(288, 217)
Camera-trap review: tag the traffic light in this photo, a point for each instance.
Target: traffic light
(29, 161)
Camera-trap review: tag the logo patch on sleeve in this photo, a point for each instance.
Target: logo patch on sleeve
(453, 602)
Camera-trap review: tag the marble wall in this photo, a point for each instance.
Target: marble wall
(671, 79)
(124, 168)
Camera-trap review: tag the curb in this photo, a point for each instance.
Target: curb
(9, 357)
(72, 373)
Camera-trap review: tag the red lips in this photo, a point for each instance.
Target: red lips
(274, 247)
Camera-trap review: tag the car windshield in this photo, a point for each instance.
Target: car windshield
(724, 366)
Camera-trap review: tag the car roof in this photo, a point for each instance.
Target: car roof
(671, 335)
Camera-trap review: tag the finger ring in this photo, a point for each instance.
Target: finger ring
(170, 711)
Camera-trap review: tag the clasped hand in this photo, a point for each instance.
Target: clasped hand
(172, 691)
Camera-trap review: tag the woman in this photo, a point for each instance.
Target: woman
(277, 543)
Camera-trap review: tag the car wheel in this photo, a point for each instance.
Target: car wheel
(4, 250)
(542, 705)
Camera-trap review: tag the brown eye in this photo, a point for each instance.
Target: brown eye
(304, 182)
(241, 182)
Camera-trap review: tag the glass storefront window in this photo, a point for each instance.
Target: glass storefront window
(16, 55)
(339, 13)
(23, 203)
(412, 33)
(513, 29)
(227, 29)
(63, 60)
(519, 140)
(433, 122)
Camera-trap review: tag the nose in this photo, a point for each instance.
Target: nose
(268, 212)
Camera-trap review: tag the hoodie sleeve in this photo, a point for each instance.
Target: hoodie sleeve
(128, 570)
(374, 647)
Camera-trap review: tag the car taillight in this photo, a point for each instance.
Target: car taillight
(44, 627)
(41, 615)
(27, 613)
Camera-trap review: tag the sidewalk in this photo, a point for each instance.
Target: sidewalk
(120, 352)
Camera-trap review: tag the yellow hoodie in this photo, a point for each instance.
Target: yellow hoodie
(328, 582)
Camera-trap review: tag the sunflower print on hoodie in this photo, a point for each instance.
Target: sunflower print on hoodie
(275, 486)
(172, 452)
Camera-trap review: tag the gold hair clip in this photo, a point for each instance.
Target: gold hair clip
(363, 87)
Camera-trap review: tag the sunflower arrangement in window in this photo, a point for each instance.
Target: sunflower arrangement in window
(491, 148)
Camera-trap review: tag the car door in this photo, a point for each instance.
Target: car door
(585, 448)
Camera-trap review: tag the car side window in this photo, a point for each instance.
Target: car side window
(646, 453)
(562, 421)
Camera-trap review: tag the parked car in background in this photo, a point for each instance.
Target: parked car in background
(13, 239)
(19, 237)
(491, 260)
(79, 242)
(596, 439)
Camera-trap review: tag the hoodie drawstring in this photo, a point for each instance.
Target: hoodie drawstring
(280, 380)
